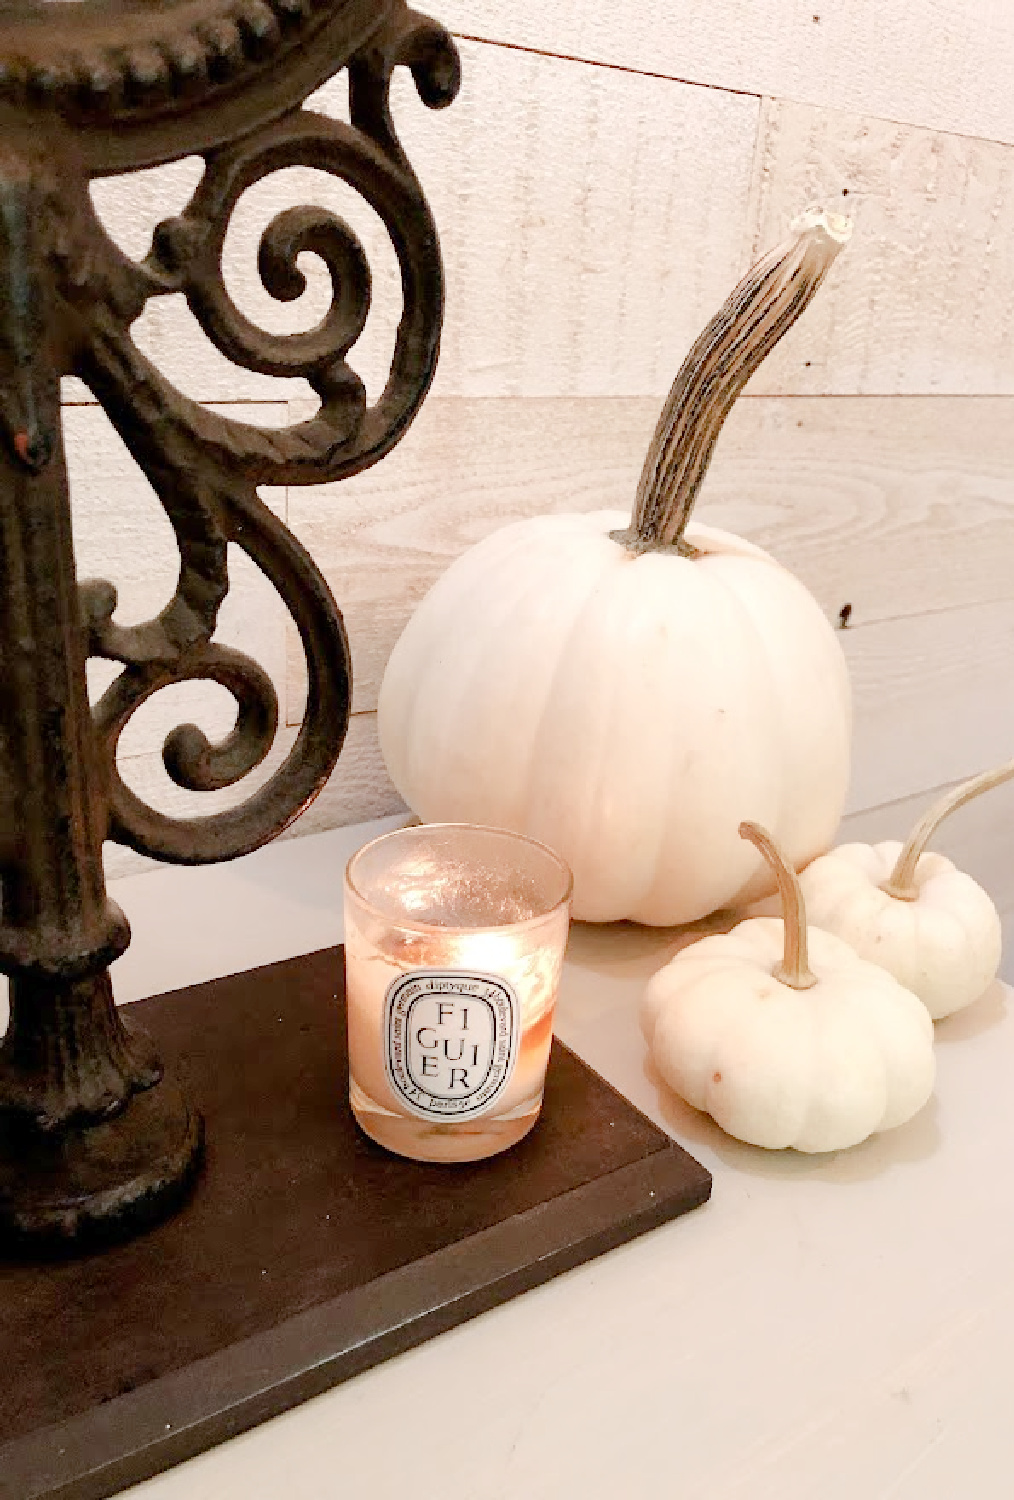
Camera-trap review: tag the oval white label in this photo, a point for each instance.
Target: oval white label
(450, 1041)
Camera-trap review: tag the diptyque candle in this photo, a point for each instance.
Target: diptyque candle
(454, 943)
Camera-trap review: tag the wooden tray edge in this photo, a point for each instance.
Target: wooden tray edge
(214, 1399)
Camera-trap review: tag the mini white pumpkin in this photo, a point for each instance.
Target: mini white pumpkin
(628, 693)
(914, 913)
(788, 1038)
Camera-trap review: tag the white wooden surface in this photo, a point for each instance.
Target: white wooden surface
(573, 248)
(924, 301)
(897, 507)
(605, 176)
(836, 1326)
(593, 218)
(928, 62)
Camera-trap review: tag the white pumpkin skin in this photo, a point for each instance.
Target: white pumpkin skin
(628, 710)
(945, 945)
(818, 1069)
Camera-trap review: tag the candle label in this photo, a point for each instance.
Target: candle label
(451, 1041)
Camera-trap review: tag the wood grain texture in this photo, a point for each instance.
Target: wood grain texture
(941, 63)
(895, 507)
(593, 219)
(571, 201)
(933, 697)
(228, 1314)
(466, 468)
(922, 301)
(130, 208)
(590, 221)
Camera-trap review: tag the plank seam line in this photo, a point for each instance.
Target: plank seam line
(264, 400)
(597, 62)
(925, 614)
(802, 396)
(923, 791)
(725, 88)
(629, 397)
(122, 760)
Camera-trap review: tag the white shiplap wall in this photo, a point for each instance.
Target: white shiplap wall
(605, 177)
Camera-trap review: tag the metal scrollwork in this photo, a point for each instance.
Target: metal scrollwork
(87, 90)
(205, 468)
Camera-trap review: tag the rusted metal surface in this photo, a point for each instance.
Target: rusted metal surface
(93, 1141)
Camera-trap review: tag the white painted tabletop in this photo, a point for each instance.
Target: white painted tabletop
(838, 1327)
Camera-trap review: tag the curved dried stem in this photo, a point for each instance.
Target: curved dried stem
(901, 884)
(759, 312)
(794, 969)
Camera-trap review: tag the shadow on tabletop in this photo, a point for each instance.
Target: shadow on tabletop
(917, 1140)
(630, 948)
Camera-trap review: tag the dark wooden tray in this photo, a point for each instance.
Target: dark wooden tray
(306, 1253)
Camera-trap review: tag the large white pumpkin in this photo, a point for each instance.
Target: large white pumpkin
(630, 711)
(630, 693)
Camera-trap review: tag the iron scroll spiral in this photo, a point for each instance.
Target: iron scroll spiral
(205, 468)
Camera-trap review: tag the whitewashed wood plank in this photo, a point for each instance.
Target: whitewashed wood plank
(590, 220)
(122, 533)
(893, 506)
(942, 63)
(934, 700)
(922, 301)
(465, 468)
(169, 335)
(130, 206)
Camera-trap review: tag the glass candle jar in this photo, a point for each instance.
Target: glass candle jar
(454, 943)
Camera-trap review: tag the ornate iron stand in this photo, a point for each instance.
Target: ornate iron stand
(95, 1142)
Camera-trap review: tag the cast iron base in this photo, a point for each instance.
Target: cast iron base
(64, 1192)
(305, 1253)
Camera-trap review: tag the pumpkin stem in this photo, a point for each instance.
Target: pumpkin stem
(794, 970)
(762, 308)
(902, 884)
